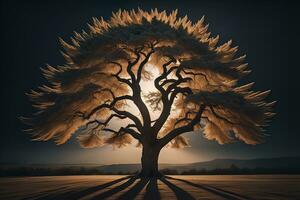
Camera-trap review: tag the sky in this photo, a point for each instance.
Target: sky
(266, 31)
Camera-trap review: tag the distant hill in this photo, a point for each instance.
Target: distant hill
(269, 163)
(217, 166)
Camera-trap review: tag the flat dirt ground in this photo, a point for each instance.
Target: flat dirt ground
(214, 187)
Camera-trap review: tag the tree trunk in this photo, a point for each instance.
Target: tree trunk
(150, 161)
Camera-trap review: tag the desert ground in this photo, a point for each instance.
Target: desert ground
(171, 187)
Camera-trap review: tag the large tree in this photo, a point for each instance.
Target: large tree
(100, 95)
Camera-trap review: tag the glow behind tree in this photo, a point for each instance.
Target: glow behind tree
(197, 87)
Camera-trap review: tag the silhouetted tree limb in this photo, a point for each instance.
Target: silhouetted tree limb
(184, 129)
(120, 112)
(124, 130)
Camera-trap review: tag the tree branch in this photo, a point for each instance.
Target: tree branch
(105, 122)
(200, 74)
(185, 118)
(111, 106)
(136, 97)
(179, 90)
(124, 130)
(131, 64)
(146, 59)
(220, 117)
(105, 105)
(172, 89)
(130, 116)
(164, 96)
(178, 131)
(164, 75)
(117, 75)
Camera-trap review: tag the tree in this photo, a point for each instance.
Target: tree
(197, 88)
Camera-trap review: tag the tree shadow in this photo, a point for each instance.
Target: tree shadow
(116, 189)
(76, 195)
(152, 191)
(180, 193)
(135, 190)
(217, 191)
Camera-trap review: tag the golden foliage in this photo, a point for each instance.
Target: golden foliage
(119, 141)
(90, 140)
(94, 57)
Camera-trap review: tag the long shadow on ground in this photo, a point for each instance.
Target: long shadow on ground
(115, 190)
(134, 185)
(135, 190)
(82, 193)
(180, 193)
(217, 191)
(152, 191)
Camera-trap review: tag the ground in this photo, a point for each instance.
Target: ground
(125, 187)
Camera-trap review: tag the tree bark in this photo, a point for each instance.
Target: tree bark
(150, 154)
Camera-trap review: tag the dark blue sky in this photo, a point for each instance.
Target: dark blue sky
(267, 32)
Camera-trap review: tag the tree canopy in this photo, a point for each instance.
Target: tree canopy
(198, 86)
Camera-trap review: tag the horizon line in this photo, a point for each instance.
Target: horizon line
(89, 163)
